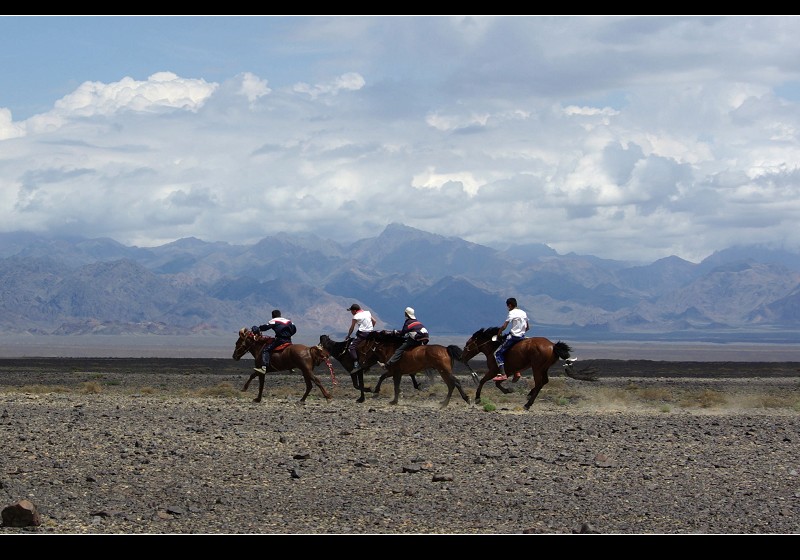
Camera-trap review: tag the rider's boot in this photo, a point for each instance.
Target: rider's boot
(502, 375)
(262, 369)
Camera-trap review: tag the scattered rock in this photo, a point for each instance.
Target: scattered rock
(21, 514)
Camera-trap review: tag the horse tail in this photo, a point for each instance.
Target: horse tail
(562, 350)
(454, 352)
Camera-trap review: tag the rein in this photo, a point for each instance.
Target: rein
(328, 361)
(478, 346)
(330, 368)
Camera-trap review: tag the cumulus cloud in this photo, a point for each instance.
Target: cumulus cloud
(626, 138)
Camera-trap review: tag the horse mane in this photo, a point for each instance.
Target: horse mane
(336, 348)
(385, 336)
(480, 333)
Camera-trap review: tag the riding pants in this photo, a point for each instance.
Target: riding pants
(354, 343)
(407, 343)
(500, 353)
(265, 353)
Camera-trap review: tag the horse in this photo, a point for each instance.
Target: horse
(382, 344)
(338, 350)
(537, 353)
(304, 358)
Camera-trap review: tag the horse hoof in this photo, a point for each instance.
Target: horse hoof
(360, 399)
(256, 399)
(392, 402)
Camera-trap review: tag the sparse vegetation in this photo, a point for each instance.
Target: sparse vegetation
(91, 387)
(664, 394)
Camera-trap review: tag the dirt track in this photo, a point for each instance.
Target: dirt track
(173, 446)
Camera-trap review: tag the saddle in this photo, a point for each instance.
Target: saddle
(269, 339)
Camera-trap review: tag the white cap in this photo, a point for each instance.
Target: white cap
(410, 312)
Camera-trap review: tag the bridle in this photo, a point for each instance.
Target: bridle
(471, 342)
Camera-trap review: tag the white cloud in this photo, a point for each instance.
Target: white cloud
(628, 138)
(351, 81)
(253, 87)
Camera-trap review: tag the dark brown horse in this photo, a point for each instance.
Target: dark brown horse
(304, 358)
(338, 350)
(536, 354)
(382, 344)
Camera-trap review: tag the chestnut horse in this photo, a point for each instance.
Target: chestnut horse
(338, 350)
(382, 344)
(304, 358)
(535, 353)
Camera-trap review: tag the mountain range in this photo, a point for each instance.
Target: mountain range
(94, 286)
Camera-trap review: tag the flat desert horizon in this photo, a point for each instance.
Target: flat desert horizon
(173, 346)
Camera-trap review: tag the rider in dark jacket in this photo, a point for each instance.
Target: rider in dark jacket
(415, 335)
(284, 329)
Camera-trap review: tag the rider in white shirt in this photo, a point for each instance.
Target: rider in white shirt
(518, 320)
(365, 322)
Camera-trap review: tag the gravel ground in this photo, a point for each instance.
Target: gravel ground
(164, 446)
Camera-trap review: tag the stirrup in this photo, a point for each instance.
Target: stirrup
(500, 377)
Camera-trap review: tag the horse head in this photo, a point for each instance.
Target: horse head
(334, 348)
(318, 354)
(244, 343)
(481, 342)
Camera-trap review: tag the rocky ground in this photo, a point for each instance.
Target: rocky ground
(169, 446)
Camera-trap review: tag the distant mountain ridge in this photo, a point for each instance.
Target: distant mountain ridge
(90, 286)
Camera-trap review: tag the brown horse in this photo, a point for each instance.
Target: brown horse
(382, 344)
(304, 358)
(536, 353)
(338, 350)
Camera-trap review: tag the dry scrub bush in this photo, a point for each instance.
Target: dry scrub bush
(90, 388)
(705, 399)
(40, 389)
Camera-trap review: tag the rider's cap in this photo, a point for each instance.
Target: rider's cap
(354, 307)
(410, 313)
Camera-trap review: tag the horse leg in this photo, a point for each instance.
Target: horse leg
(414, 382)
(307, 379)
(397, 377)
(540, 380)
(247, 383)
(448, 380)
(483, 380)
(377, 388)
(460, 389)
(354, 377)
(261, 378)
(318, 383)
(360, 377)
(505, 390)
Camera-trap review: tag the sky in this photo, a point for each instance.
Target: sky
(631, 138)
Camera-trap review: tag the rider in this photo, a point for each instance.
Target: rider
(518, 320)
(284, 329)
(365, 322)
(414, 333)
